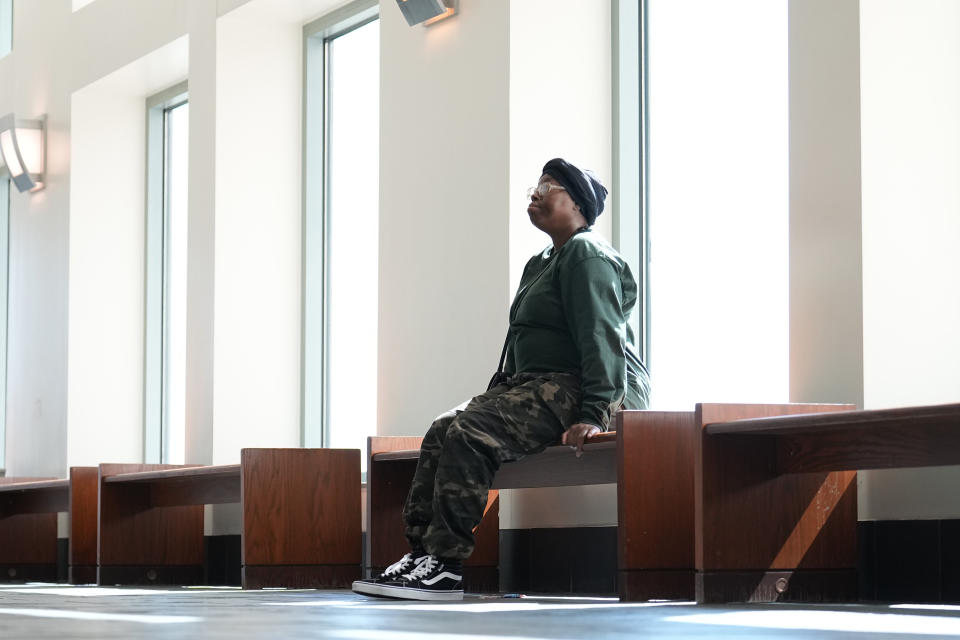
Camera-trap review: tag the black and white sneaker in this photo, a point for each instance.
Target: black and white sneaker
(394, 572)
(432, 579)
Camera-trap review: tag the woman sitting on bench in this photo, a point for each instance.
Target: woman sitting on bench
(569, 363)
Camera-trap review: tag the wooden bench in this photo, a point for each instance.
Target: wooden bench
(651, 457)
(28, 526)
(300, 519)
(776, 502)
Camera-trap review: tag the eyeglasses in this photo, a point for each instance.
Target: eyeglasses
(542, 189)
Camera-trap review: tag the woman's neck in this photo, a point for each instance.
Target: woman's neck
(561, 238)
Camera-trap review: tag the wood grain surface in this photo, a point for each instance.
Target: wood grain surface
(752, 519)
(655, 504)
(134, 534)
(84, 511)
(301, 507)
(388, 483)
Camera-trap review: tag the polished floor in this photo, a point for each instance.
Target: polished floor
(36, 612)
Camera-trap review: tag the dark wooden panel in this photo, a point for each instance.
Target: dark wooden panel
(750, 518)
(388, 483)
(883, 446)
(560, 467)
(486, 553)
(150, 575)
(833, 417)
(84, 489)
(28, 572)
(301, 506)
(655, 498)
(29, 538)
(656, 584)
(39, 496)
(300, 576)
(773, 586)
(198, 489)
(133, 534)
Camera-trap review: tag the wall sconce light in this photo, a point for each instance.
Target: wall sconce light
(427, 11)
(22, 145)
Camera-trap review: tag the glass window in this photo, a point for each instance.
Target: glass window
(718, 201)
(341, 229)
(6, 27)
(4, 279)
(168, 117)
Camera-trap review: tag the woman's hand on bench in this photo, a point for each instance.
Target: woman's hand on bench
(576, 434)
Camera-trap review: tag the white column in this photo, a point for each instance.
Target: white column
(826, 298)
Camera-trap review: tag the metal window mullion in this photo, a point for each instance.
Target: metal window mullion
(325, 369)
(316, 276)
(5, 264)
(165, 297)
(644, 339)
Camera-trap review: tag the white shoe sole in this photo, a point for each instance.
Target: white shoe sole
(404, 593)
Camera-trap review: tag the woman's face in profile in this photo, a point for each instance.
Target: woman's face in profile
(551, 207)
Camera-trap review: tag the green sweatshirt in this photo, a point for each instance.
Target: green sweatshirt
(571, 315)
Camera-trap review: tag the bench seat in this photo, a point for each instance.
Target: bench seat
(776, 497)
(28, 526)
(554, 467)
(300, 512)
(650, 455)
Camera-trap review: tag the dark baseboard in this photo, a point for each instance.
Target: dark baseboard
(909, 561)
(63, 567)
(898, 561)
(222, 567)
(544, 561)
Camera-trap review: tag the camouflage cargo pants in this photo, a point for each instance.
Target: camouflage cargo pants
(463, 449)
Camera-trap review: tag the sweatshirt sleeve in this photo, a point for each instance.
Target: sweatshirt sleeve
(593, 305)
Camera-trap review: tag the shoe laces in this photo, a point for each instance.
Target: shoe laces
(425, 567)
(400, 565)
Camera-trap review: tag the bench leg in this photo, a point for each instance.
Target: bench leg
(28, 547)
(763, 536)
(142, 544)
(481, 571)
(655, 505)
(301, 518)
(388, 483)
(83, 525)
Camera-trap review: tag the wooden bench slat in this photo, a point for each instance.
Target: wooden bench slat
(556, 466)
(34, 485)
(38, 496)
(812, 422)
(413, 454)
(560, 467)
(225, 470)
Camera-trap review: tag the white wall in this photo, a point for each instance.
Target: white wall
(826, 299)
(560, 106)
(257, 256)
(444, 207)
(106, 324)
(910, 97)
(459, 145)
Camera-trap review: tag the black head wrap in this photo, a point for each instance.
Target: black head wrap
(583, 187)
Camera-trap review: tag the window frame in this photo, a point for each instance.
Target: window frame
(630, 148)
(6, 30)
(314, 331)
(4, 307)
(156, 289)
